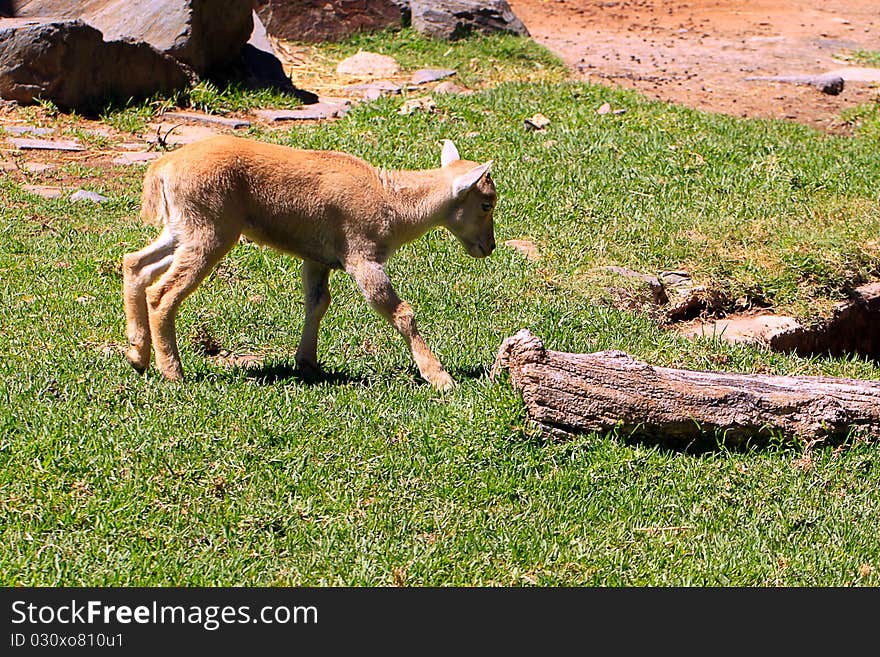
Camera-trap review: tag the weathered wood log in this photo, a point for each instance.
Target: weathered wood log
(574, 393)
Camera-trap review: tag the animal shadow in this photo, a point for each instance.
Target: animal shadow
(284, 370)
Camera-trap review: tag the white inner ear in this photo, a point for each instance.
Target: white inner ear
(449, 154)
(465, 182)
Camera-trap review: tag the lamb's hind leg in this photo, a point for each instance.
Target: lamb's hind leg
(191, 264)
(139, 269)
(317, 297)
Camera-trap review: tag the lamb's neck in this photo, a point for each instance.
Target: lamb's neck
(418, 199)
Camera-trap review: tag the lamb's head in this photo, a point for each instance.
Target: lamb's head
(473, 202)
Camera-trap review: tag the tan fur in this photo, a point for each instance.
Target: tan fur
(333, 210)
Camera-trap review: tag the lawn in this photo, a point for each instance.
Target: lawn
(252, 476)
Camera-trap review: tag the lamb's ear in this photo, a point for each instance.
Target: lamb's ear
(449, 154)
(465, 182)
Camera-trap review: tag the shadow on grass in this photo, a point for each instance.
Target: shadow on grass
(269, 373)
(284, 370)
(473, 373)
(711, 444)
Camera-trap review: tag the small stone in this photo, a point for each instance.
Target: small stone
(604, 109)
(829, 84)
(652, 283)
(368, 64)
(43, 190)
(685, 297)
(126, 159)
(8, 165)
(527, 247)
(449, 87)
(47, 144)
(537, 122)
(424, 104)
(677, 279)
(425, 75)
(211, 119)
(85, 195)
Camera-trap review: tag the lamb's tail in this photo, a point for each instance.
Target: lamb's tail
(154, 205)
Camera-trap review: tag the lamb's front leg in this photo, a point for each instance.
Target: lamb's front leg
(376, 287)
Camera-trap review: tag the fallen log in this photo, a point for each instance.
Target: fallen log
(566, 394)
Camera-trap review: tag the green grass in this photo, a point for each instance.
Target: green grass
(369, 477)
(494, 55)
(864, 57)
(204, 96)
(480, 61)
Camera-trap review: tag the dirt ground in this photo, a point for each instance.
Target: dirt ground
(699, 52)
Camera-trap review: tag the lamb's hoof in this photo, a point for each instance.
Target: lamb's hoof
(136, 360)
(308, 371)
(173, 373)
(442, 382)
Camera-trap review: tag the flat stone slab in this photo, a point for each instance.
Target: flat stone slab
(47, 144)
(827, 83)
(315, 112)
(37, 167)
(26, 129)
(853, 327)
(372, 90)
(43, 190)
(857, 74)
(213, 119)
(177, 133)
(425, 75)
(127, 159)
(85, 195)
(760, 329)
(368, 64)
(334, 100)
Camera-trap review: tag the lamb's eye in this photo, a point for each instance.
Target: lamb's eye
(487, 207)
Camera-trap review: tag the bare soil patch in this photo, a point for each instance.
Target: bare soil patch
(699, 53)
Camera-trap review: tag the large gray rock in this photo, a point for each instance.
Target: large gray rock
(69, 63)
(203, 34)
(452, 19)
(328, 20)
